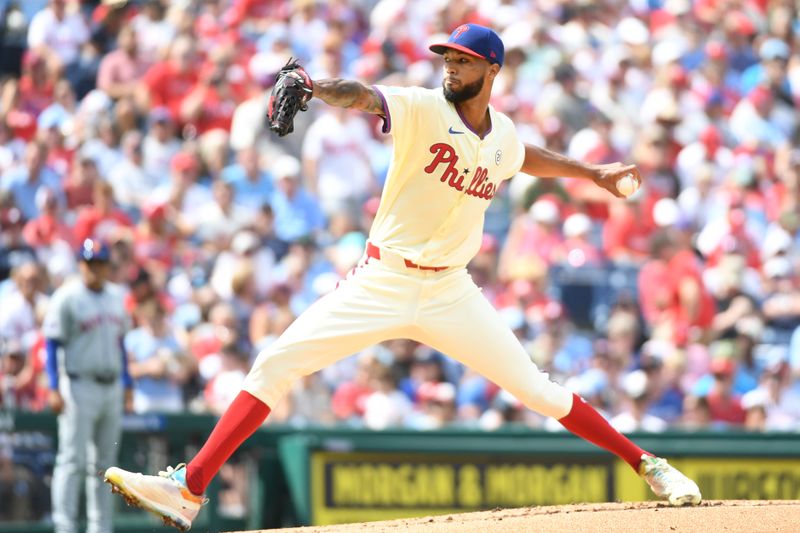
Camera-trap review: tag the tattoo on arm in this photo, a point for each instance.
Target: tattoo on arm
(350, 94)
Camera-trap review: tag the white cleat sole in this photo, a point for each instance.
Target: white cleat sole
(114, 478)
(684, 499)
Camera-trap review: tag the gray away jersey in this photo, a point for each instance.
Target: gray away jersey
(89, 326)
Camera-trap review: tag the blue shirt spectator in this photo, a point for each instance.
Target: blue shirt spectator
(24, 181)
(157, 363)
(743, 381)
(252, 186)
(297, 213)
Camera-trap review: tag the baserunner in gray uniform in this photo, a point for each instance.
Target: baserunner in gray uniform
(89, 385)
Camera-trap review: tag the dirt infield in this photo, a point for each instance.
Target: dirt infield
(713, 516)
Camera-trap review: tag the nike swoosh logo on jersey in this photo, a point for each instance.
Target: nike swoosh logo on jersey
(454, 132)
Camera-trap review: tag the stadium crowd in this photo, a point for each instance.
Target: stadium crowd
(141, 123)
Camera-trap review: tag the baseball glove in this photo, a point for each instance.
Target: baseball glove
(292, 91)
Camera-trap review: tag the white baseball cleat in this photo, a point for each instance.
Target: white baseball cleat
(165, 495)
(668, 482)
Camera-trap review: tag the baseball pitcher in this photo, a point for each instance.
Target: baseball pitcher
(451, 152)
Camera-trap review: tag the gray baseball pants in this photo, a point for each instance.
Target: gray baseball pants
(89, 434)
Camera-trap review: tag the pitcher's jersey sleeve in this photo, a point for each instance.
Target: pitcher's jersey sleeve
(515, 147)
(404, 108)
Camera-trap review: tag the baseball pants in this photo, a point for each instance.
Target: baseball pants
(384, 299)
(89, 432)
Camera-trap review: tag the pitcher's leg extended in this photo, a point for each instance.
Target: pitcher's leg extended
(472, 331)
(349, 319)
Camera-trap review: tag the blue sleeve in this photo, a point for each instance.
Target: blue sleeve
(51, 364)
(127, 381)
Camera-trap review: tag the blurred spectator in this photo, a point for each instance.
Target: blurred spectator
(24, 181)
(58, 32)
(157, 364)
(336, 164)
(349, 399)
(121, 70)
(169, 80)
(18, 389)
(183, 193)
(17, 116)
(245, 248)
(48, 231)
(534, 236)
(36, 82)
(696, 413)
(436, 406)
(627, 232)
(724, 405)
(159, 145)
(578, 249)
(211, 100)
(781, 305)
(154, 33)
(252, 185)
(130, 182)
(60, 114)
(297, 213)
(751, 122)
(155, 238)
(386, 406)
(673, 293)
(271, 318)
(101, 219)
(24, 303)
(311, 402)
(216, 221)
(227, 380)
(635, 416)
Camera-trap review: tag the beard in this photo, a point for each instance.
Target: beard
(467, 91)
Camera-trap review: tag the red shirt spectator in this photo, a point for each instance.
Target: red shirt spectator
(626, 235)
(48, 227)
(154, 240)
(35, 84)
(79, 188)
(18, 116)
(690, 302)
(722, 403)
(168, 82)
(212, 101)
(100, 220)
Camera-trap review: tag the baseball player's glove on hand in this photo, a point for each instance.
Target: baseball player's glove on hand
(292, 90)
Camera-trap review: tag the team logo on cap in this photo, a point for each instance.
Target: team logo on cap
(458, 31)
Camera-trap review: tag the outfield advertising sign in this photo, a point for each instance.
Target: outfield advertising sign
(365, 486)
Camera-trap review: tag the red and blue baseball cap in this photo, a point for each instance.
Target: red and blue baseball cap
(93, 250)
(475, 40)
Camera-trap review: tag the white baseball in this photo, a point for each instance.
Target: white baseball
(626, 185)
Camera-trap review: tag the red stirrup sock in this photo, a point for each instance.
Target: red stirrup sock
(584, 421)
(242, 418)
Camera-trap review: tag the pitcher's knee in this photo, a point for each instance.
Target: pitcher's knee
(272, 375)
(545, 397)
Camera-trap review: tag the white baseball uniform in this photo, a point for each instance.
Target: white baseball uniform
(412, 282)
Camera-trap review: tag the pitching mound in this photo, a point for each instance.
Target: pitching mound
(712, 516)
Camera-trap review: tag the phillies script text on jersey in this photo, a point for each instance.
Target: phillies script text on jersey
(480, 186)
